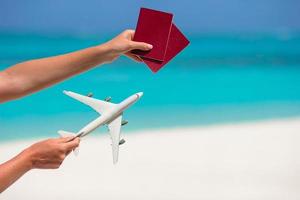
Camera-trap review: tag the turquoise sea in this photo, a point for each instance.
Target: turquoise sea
(219, 78)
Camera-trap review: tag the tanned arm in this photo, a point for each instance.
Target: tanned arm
(47, 154)
(31, 76)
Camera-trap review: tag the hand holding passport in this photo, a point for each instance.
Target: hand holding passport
(156, 28)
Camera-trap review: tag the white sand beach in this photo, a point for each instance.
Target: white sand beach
(255, 160)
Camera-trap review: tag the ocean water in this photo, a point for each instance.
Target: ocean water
(217, 79)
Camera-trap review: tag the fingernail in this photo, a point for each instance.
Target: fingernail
(150, 46)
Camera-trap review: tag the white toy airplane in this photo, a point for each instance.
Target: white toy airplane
(111, 115)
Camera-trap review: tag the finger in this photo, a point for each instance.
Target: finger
(129, 33)
(65, 139)
(133, 57)
(52, 166)
(72, 144)
(48, 165)
(140, 45)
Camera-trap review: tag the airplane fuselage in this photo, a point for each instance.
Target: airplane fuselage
(110, 116)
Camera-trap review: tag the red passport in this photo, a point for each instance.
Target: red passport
(156, 28)
(153, 27)
(177, 42)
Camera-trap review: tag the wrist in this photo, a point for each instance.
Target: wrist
(107, 52)
(27, 159)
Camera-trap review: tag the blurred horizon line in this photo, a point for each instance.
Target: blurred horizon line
(277, 34)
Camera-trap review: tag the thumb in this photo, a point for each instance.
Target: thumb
(141, 46)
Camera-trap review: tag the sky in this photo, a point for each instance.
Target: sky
(194, 16)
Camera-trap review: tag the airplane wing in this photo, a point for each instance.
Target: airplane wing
(114, 128)
(97, 105)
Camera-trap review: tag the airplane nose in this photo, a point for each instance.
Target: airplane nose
(140, 94)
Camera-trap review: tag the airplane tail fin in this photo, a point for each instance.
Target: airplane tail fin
(68, 134)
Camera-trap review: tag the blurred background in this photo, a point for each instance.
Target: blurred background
(242, 63)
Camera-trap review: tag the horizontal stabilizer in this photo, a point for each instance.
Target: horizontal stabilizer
(65, 133)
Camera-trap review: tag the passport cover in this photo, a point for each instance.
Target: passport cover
(153, 27)
(177, 42)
